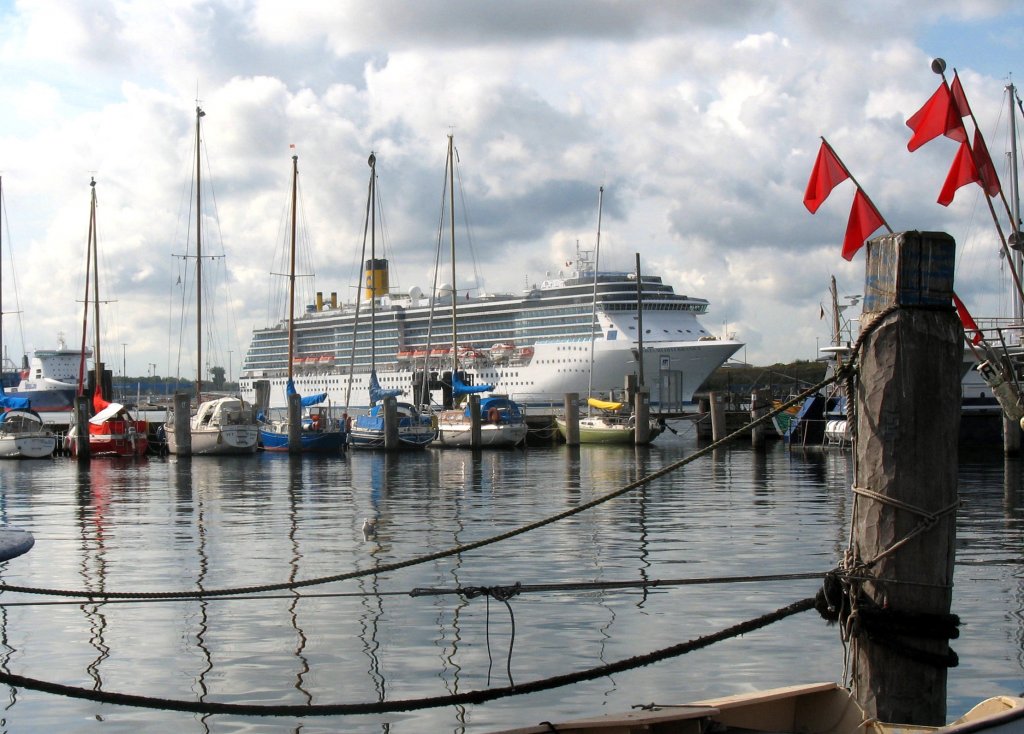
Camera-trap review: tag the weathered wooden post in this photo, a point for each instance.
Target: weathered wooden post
(572, 419)
(475, 436)
(82, 404)
(1011, 437)
(391, 441)
(262, 388)
(182, 425)
(758, 408)
(718, 427)
(905, 476)
(704, 419)
(642, 416)
(294, 423)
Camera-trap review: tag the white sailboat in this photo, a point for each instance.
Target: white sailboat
(614, 421)
(225, 424)
(22, 433)
(369, 430)
(502, 422)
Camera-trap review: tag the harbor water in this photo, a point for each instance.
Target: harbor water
(206, 523)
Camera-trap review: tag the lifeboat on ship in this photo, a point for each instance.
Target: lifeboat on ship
(523, 355)
(501, 352)
(325, 360)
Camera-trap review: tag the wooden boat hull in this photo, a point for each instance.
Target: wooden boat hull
(823, 708)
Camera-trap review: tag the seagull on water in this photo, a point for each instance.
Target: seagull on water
(369, 527)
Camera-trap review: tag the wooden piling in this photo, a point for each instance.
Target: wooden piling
(642, 416)
(572, 419)
(905, 473)
(719, 430)
(294, 423)
(759, 405)
(391, 440)
(82, 405)
(475, 436)
(182, 425)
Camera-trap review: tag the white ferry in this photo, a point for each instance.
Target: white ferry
(50, 381)
(534, 347)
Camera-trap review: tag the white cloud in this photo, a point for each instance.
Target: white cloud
(700, 119)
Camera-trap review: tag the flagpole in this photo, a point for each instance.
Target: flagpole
(939, 67)
(856, 183)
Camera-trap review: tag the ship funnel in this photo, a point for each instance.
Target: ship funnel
(375, 282)
(334, 299)
(319, 301)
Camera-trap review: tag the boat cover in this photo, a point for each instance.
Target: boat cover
(461, 388)
(9, 402)
(106, 414)
(603, 404)
(306, 400)
(377, 393)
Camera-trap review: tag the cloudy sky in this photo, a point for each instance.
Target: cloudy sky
(701, 119)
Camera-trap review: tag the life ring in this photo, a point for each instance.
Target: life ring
(492, 415)
(316, 422)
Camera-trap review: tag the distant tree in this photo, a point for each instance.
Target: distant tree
(217, 374)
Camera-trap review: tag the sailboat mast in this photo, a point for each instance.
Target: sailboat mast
(97, 363)
(451, 200)
(593, 307)
(1015, 234)
(373, 261)
(291, 268)
(639, 325)
(199, 266)
(3, 352)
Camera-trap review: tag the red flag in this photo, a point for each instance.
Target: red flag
(959, 97)
(966, 320)
(98, 403)
(961, 173)
(938, 116)
(828, 172)
(864, 220)
(987, 171)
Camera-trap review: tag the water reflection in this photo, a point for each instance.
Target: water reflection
(212, 524)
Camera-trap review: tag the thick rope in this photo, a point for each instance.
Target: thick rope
(411, 704)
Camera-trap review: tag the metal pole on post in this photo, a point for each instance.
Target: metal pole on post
(905, 477)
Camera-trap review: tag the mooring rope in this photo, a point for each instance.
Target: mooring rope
(410, 704)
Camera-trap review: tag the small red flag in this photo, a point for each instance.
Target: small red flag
(966, 320)
(989, 177)
(864, 220)
(957, 89)
(938, 116)
(828, 172)
(98, 403)
(961, 173)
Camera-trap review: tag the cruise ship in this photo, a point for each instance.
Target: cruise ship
(533, 347)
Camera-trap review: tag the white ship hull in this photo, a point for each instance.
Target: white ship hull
(534, 348)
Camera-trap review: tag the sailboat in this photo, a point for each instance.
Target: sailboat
(222, 425)
(369, 431)
(503, 423)
(321, 433)
(22, 432)
(112, 430)
(614, 421)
